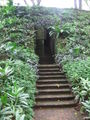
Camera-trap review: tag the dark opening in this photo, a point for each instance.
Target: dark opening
(45, 49)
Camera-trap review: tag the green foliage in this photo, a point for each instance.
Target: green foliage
(78, 68)
(18, 70)
(18, 101)
(18, 52)
(73, 51)
(78, 72)
(5, 72)
(18, 88)
(65, 29)
(87, 106)
(55, 29)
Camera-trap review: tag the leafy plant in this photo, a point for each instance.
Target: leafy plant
(5, 72)
(87, 106)
(18, 70)
(15, 103)
(74, 53)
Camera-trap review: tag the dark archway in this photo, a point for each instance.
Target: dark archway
(45, 48)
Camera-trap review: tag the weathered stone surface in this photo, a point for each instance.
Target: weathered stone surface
(41, 33)
(53, 99)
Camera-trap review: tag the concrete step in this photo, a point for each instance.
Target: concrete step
(48, 66)
(51, 76)
(53, 91)
(51, 73)
(52, 81)
(53, 86)
(49, 70)
(54, 97)
(58, 104)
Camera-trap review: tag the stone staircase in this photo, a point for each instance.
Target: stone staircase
(53, 89)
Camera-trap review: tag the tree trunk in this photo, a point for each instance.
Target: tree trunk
(75, 4)
(25, 2)
(33, 2)
(80, 4)
(38, 2)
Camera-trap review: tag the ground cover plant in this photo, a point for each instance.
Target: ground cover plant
(73, 52)
(18, 66)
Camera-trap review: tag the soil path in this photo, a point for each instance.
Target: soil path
(57, 114)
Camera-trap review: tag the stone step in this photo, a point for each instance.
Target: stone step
(51, 76)
(53, 91)
(51, 73)
(48, 66)
(56, 81)
(54, 97)
(53, 86)
(58, 104)
(49, 70)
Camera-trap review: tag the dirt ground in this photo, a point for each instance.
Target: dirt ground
(57, 114)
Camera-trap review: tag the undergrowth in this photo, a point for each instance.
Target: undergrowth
(73, 51)
(18, 66)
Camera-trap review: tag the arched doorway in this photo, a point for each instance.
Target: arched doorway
(45, 47)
